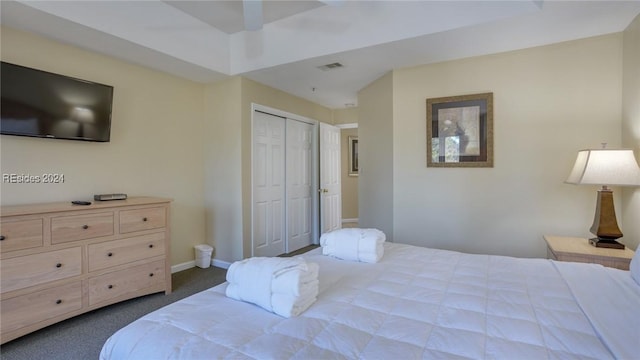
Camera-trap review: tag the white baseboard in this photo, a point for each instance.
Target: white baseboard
(345, 221)
(183, 266)
(220, 263)
(192, 263)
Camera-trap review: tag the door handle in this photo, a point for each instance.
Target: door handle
(323, 190)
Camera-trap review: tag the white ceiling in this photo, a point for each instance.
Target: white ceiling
(205, 41)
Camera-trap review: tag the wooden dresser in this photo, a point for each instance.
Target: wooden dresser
(58, 260)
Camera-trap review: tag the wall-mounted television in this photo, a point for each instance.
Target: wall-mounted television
(42, 104)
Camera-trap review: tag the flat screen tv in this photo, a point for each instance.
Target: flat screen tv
(42, 104)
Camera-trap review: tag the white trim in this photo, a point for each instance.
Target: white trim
(220, 263)
(191, 264)
(183, 266)
(354, 220)
(347, 126)
(281, 113)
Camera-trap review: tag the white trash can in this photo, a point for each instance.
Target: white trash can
(203, 255)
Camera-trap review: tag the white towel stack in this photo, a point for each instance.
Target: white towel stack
(285, 286)
(365, 245)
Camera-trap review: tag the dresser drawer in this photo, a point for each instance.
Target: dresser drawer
(20, 234)
(120, 283)
(30, 270)
(118, 252)
(142, 219)
(29, 309)
(78, 227)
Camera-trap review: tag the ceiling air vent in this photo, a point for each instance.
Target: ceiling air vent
(332, 66)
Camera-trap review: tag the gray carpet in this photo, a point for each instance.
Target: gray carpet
(82, 337)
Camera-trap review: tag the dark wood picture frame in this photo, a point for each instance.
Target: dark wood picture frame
(460, 131)
(353, 156)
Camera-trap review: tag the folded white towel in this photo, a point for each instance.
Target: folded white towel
(245, 270)
(254, 277)
(288, 305)
(250, 280)
(290, 282)
(365, 245)
(285, 305)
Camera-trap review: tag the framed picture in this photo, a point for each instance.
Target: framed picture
(353, 155)
(460, 131)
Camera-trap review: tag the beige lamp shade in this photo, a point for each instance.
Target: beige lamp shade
(605, 167)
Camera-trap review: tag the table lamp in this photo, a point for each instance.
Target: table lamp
(605, 167)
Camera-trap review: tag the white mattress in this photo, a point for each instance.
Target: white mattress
(415, 303)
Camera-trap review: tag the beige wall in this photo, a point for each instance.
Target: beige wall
(223, 168)
(345, 116)
(631, 128)
(376, 143)
(549, 102)
(155, 148)
(253, 92)
(349, 183)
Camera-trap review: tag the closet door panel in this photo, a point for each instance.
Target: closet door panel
(268, 177)
(299, 184)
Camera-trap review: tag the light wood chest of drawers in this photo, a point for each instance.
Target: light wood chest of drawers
(60, 260)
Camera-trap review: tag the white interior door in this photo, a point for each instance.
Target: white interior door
(268, 207)
(299, 174)
(330, 184)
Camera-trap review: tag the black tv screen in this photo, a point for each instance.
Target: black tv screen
(42, 104)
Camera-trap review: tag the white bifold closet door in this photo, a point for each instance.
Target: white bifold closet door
(299, 184)
(282, 216)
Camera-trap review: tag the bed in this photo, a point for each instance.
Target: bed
(415, 303)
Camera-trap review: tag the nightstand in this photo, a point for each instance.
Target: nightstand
(579, 250)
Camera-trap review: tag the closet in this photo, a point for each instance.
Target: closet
(284, 202)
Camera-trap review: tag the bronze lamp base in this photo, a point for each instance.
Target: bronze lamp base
(606, 243)
(605, 225)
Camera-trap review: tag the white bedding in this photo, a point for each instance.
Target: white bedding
(414, 303)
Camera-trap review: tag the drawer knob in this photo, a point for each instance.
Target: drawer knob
(58, 265)
(85, 227)
(2, 237)
(150, 246)
(58, 301)
(144, 219)
(110, 286)
(151, 275)
(110, 254)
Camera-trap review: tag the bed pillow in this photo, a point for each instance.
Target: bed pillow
(635, 266)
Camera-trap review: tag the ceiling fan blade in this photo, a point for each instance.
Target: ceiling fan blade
(332, 2)
(252, 10)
